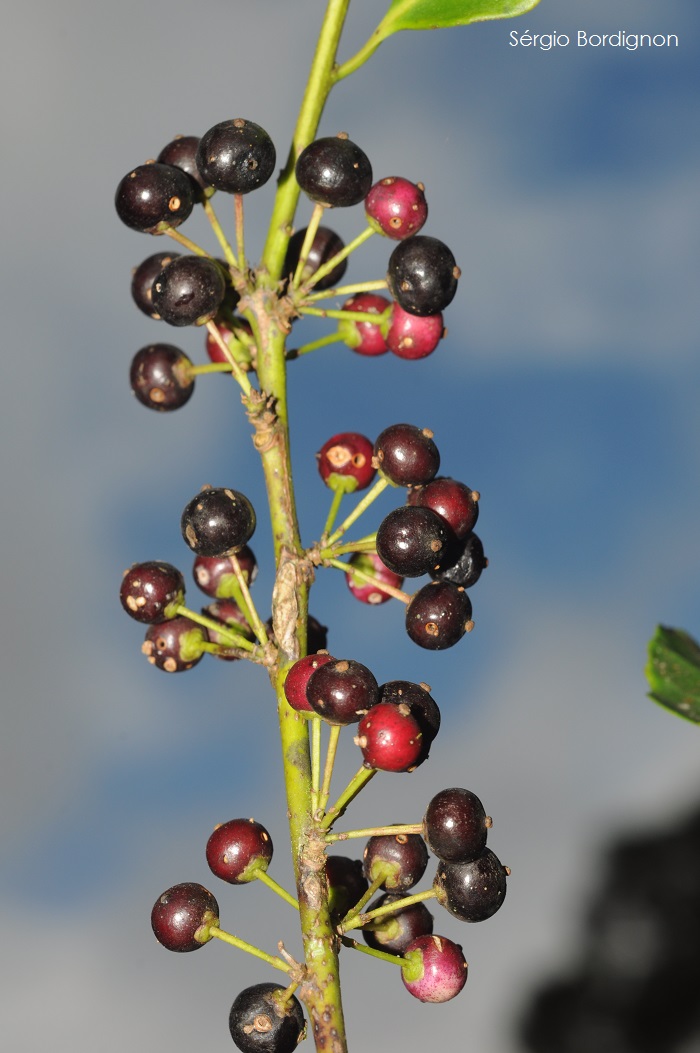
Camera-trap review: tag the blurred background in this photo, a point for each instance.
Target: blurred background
(565, 182)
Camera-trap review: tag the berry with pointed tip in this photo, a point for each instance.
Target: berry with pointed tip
(262, 1021)
(342, 691)
(393, 933)
(237, 850)
(218, 521)
(297, 679)
(400, 859)
(422, 275)
(161, 377)
(465, 563)
(472, 891)
(334, 171)
(152, 592)
(396, 207)
(367, 591)
(143, 277)
(438, 615)
(175, 645)
(215, 574)
(154, 196)
(407, 455)
(435, 970)
(236, 156)
(456, 502)
(189, 291)
(346, 884)
(345, 462)
(181, 152)
(390, 738)
(413, 336)
(182, 916)
(365, 338)
(412, 541)
(455, 825)
(324, 247)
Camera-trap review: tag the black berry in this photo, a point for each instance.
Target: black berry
(342, 691)
(455, 825)
(334, 171)
(465, 563)
(472, 891)
(394, 932)
(421, 704)
(153, 196)
(400, 859)
(407, 455)
(142, 280)
(422, 275)
(218, 521)
(236, 156)
(182, 915)
(324, 247)
(261, 1022)
(346, 884)
(412, 541)
(161, 378)
(152, 592)
(181, 152)
(438, 615)
(189, 291)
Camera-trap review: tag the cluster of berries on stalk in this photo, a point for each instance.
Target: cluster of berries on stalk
(431, 534)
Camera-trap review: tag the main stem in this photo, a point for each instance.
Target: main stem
(320, 990)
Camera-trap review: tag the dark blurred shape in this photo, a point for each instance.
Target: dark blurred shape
(637, 985)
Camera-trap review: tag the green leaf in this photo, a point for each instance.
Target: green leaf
(437, 14)
(673, 672)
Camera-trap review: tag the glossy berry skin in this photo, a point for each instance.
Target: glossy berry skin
(407, 455)
(390, 738)
(412, 541)
(342, 690)
(454, 501)
(189, 291)
(455, 825)
(346, 884)
(438, 615)
(396, 207)
(472, 891)
(412, 336)
(436, 969)
(260, 1023)
(153, 196)
(365, 338)
(465, 564)
(175, 645)
(422, 275)
(345, 462)
(215, 574)
(160, 377)
(393, 933)
(229, 614)
(297, 679)
(324, 247)
(181, 916)
(400, 859)
(334, 171)
(421, 704)
(238, 849)
(152, 592)
(181, 152)
(366, 591)
(142, 279)
(236, 156)
(218, 521)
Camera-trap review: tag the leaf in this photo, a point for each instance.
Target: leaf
(437, 14)
(673, 672)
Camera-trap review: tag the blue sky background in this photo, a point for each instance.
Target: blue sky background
(565, 183)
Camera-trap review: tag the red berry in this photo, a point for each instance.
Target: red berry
(345, 462)
(410, 336)
(366, 338)
(390, 738)
(298, 677)
(215, 574)
(457, 503)
(182, 915)
(396, 207)
(365, 591)
(436, 969)
(238, 849)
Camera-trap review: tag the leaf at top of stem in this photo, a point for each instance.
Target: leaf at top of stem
(673, 672)
(436, 14)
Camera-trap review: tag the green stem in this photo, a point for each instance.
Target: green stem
(330, 761)
(374, 887)
(209, 367)
(358, 920)
(376, 831)
(219, 233)
(186, 243)
(248, 607)
(371, 495)
(347, 290)
(313, 345)
(249, 948)
(222, 630)
(359, 58)
(240, 228)
(357, 783)
(371, 579)
(338, 496)
(363, 544)
(311, 231)
(333, 262)
(262, 875)
(348, 316)
(315, 723)
(236, 370)
(382, 955)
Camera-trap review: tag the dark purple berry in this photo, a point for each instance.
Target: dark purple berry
(396, 207)
(472, 891)
(465, 563)
(438, 615)
(176, 645)
(152, 592)
(413, 336)
(422, 275)
(142, 279)
(261, 1021)
(161, 377)
(346, 884)
(153, 196)
(334, 171)
(218, 521)
(436, 969)
(406, 455)
(366, 591)
(181, 917)
(238, 849)
(390, 738)
(365, 338)
(215, 574)
(342, 690)
(400, 859)
(236, 156)
(231, 616)
(412, 541)
(393, 933)
(297, 679)
(324, 247)
(421, 703)
(189, 291)
(345, 462)
(454, 501)
(455, 825)
(181, 152)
